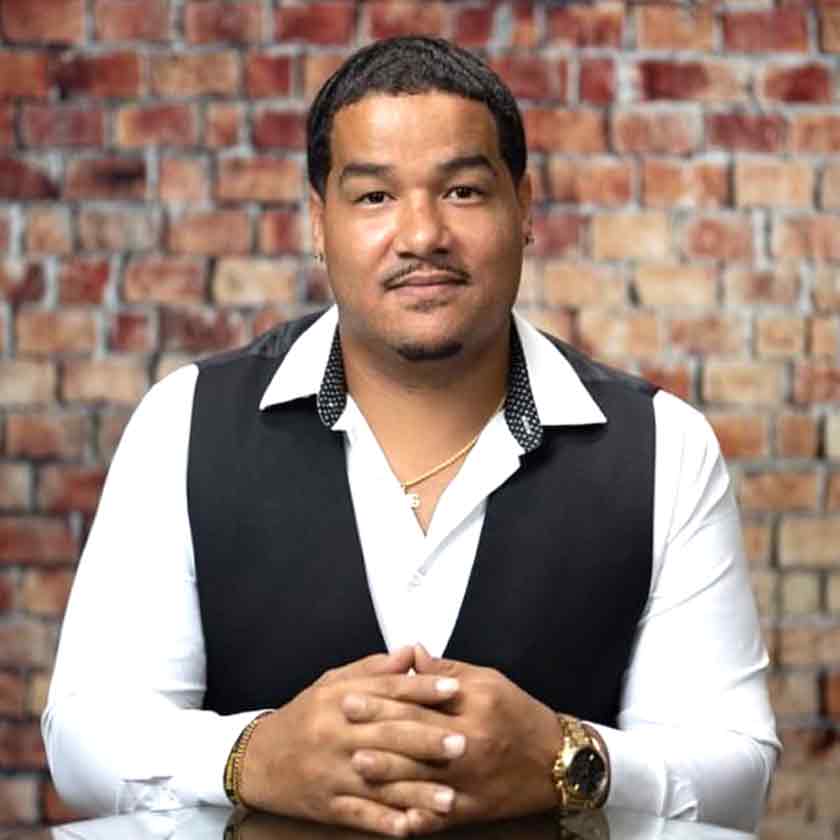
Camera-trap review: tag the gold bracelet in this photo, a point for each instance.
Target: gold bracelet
(233, 766)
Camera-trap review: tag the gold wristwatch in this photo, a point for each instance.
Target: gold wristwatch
(581, 771)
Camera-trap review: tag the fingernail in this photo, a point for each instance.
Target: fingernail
(362, 760)
(400, 824)
(454, 745)
(444, 799)
(447, 685)
(354, 704)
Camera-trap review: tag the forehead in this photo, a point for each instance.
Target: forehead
(412, 128)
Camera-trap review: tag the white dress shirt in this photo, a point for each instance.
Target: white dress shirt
(124, 728)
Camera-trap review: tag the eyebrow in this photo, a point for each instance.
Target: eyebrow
(362, 169)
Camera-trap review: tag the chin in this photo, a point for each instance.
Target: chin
(418, 351)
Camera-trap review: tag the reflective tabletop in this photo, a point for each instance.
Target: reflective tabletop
(226, 824)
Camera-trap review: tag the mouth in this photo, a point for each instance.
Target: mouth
(423, 280)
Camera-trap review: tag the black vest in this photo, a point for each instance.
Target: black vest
(560, 578)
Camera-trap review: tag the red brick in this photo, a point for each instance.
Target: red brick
(576, 284)
(21, 747)
(832, 695)
(200, 330)
(558, 233)
(317, 68)
(656, 132)
(183, 180)
(605, 334)
(708, 335)
(597, 81)
(791, 797)
(673, 284)
(280, 129)
(721, 238)
(832, 503)
(531, 77)
(280, 232)
(779, 491)
(24, 382)
(111, 427)
(34, 540)
(215, 22)
(7, 126)
(388, 19)
(249, 282)
(53, 21)
(106, 178)
(556, 323)
(705, 81)
(473, 27)
(816, 133)
(119, 230)
(830, 187)
(816, 382)
(808, 237)
(19, 801)
(780, 336)
(522, 28)
(132, 20)
(675, 184)
(14, 487)
(131, 332)
(223, 124)
(212, 233)
(797, 436)
(24, 73)
(757, 543)
(45, 592)
(793, 694)
(62, 125)
(156, 279)
(824, 338)
(808, 83)
(12, 694)
(779, 30)
(57, 811)
(661, 28)
(773, 183)
(826, 295)
(62, 489)
(113, 75)
(48, 231)
(46, 435)
(809, 542)
(676, 378)
(21, 281)
(39, 686)
(196, 74)
(158, 125)
(830, 30)
(607, 183)
(740, 435)
(5, 232)
(258, 179)
(570, 132)
(808, 645)
(268, 75)
(107, 380)
(24, 180)
(743, 383)
(742, 132)
(40, 332)
(587, 27)
(628, 236)
(315, 23)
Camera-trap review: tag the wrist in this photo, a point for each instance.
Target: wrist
(235, 766)
(581, 770)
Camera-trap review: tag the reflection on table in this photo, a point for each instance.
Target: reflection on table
(226, 824)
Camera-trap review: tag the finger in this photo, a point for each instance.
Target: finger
(425, 663)
(360, 707)
(367, 815)
(380, 766)
(397, 662)
(412, 739)
(425, 796)
(427, 690)
(425, 822)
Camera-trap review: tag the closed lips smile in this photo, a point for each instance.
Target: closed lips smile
(420, 280)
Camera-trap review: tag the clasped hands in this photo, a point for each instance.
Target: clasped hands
(373, 747)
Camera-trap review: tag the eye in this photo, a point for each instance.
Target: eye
(372, 198)
(465, 193)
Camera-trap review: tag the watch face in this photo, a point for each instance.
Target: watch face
(586, 772)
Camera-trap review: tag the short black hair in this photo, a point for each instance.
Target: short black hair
(408, 65)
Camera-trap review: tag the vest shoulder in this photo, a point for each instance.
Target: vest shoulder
(271, 345)
(595, 374)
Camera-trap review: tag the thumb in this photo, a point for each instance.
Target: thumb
(396, 662)
(425, 663)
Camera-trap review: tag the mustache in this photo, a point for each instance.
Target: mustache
(394, 278)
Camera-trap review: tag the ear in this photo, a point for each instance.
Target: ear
(525, 195)
(316, 220)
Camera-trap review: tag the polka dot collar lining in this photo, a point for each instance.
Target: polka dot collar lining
(520, 409)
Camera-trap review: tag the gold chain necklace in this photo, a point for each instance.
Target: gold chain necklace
(414, 498)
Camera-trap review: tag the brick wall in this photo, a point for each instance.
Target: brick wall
(688, 227)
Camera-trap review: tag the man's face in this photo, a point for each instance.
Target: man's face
(422, 226)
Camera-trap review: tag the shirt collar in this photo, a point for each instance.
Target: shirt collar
(543, 388)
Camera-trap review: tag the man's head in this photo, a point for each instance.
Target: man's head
(419, 200)
(412, 65)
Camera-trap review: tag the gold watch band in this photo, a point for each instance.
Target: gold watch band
(581, 771)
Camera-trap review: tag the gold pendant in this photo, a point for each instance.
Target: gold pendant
(413, 500)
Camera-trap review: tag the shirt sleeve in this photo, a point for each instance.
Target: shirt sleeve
(696, 736)
(123, 726)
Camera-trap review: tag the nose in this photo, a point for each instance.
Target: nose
(422, 229)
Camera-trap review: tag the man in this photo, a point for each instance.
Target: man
(549, 549)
